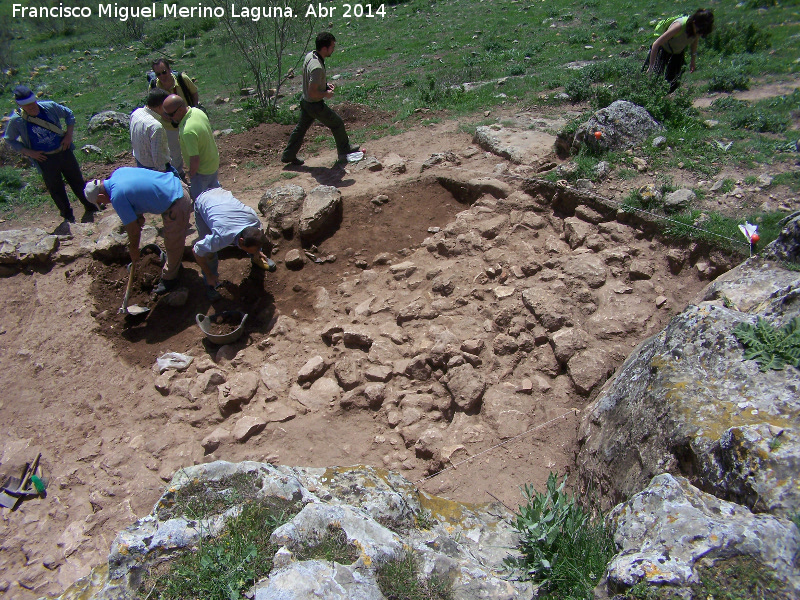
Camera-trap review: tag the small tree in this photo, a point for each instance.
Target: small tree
(263, 45)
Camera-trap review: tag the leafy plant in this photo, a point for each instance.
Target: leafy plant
(771, 348)
(562, 547)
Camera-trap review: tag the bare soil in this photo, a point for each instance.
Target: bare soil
(78, 376)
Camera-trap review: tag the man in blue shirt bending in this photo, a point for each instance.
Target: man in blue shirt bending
(35, 131)
(224, 221)
(135, 192)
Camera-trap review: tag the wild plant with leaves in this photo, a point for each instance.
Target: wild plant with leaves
(562, 547)
(771, 348)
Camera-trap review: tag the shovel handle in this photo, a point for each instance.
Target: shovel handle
(128, 288)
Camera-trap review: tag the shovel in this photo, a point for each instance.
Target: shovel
(135, 309)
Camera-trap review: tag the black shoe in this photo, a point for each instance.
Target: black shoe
(212, 294)
(62, 229)
(88, 216)
(164, 286)
(297, 161)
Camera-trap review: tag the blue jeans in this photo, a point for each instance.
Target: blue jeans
(201, 183)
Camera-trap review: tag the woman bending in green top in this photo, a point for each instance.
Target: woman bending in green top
(667, 52)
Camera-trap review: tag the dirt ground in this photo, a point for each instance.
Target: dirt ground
(79, 381)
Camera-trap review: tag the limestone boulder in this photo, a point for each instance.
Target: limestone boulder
(787, 246)
(373, 511)
(109, 119)
(679, 200)
(281, 205)
(669, 531)
(520, 146)
(686, 402)
(320, 210)
(622, 124)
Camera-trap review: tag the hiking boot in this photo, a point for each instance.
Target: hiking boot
(62, 229)
(164, 286)
(88, 216)
(295, 160)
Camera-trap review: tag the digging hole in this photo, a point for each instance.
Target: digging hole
(366, 229)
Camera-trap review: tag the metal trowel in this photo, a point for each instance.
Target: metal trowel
(135, 309)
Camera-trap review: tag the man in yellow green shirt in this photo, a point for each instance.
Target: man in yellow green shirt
(198, 146)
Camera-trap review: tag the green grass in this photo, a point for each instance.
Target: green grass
(223, 567)
(722, 231)
(21, 192)
(334, 547)
(437, 47)
(400, 580)
(201, 500)
(563, 548)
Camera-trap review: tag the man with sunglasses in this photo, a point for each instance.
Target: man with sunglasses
(197, 144)
(182, 85)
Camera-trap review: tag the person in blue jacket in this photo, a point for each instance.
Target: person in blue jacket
(35, 131)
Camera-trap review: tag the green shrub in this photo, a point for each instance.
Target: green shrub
(579, 88)
(562, 548)
(735, 38)
(760, 120)
(728, 80)
(437, 93)
(765, 117)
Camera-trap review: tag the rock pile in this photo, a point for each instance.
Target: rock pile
(504, 312)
